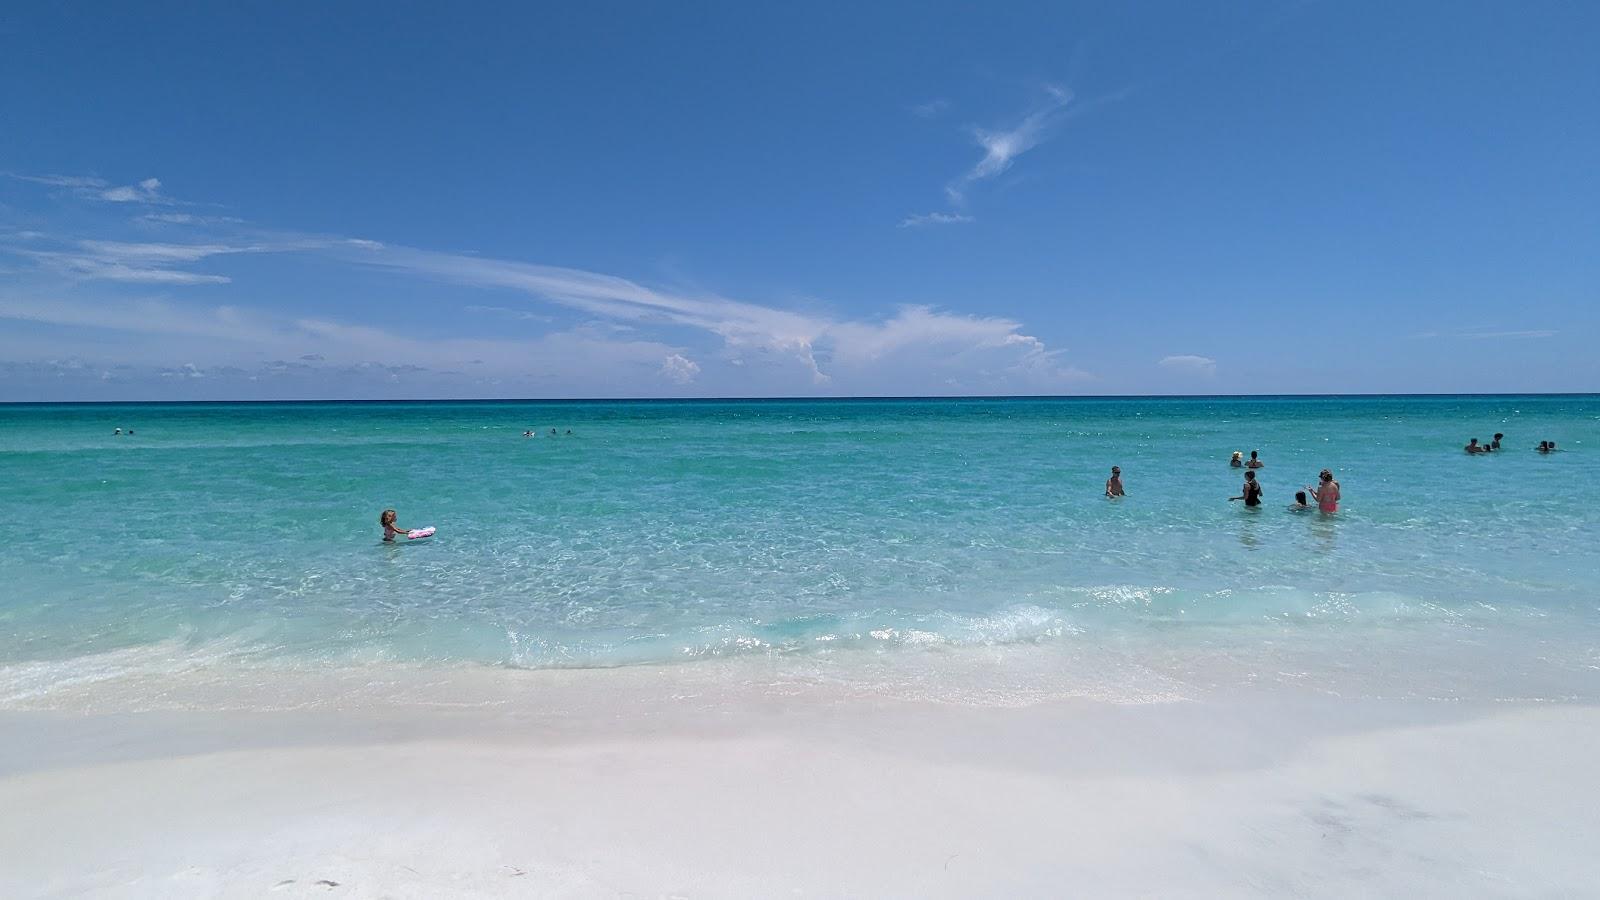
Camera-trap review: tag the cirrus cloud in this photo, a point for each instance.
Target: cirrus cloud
(1189, 364)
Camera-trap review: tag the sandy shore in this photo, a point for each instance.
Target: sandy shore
(749, 793)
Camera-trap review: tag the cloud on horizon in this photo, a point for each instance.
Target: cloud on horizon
(630, 338)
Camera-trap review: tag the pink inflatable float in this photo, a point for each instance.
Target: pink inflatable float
(416, 533)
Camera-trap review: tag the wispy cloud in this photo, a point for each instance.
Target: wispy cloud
(1002, 146)
(930, 109)
(92, 187)
(83, 182)
(625, 330)
(1491, 335)
(1189, 364)
(170, 218)
(142, 263)
(146, 191)
(508, 312)
(212, 338)
(745, 327)
(934, 218)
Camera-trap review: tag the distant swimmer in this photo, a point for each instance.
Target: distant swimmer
(1472, 447)
(1114, 483)
(390, 527)
(527, 434)
(552, 432)
(1237, 461)
(569, 431)
(1299, 501)
(1493, 445)
(1252, 491)
(116, 431)
(130, 432)
(1255, 462)
(1327, 493)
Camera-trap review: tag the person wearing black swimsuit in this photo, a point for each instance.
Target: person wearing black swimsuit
(1252, 491)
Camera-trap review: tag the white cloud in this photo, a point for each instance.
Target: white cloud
(1189, 364)
(132, 262)
(67, 181)
(679, 369)
(189, 219)
(746, 329)
(930, 109)
(934, 218)
(1002, 147)
(146, 191)
(221, 336)
(629, 336)
(90, 267)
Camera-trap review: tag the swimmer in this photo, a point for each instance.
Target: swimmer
(1544, 447)
(1472, 447)
(1254, 463)
(552, 432)
(116, 431)
(1299, 501)
(1327, 493)
(1495, 444)
(1252, 491)
(569, 431)
(1237, 461)
(1114, 483)
(390, 527)
(527, 434)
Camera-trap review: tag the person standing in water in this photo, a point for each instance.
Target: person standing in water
(1326, 493)
(1255, 462)
(1472, 446)
(1493, 445)
(1114, 483)
(1237, 460)
(1252, 491)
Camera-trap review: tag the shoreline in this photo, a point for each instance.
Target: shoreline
(605, 786)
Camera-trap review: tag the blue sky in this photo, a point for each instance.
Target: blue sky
(520, 200)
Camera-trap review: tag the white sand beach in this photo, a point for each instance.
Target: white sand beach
(563, 786)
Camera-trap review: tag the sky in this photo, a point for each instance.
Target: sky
(404, 200)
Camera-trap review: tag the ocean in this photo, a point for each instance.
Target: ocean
(967, 541)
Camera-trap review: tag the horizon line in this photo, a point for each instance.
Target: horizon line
(806, 398)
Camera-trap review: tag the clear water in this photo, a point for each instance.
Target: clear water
(680, 531)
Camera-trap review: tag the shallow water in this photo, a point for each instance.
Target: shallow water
(823, 530)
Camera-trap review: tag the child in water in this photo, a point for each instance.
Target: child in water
(390, 528)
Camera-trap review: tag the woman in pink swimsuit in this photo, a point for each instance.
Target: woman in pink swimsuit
(1327, 493)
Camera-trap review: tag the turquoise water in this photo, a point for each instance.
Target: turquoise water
(666, 531)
